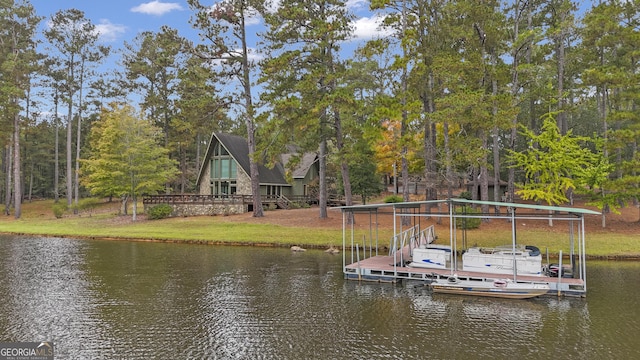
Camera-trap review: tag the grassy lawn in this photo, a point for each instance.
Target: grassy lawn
(103, 222)
(605, 245)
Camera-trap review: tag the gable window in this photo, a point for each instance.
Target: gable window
(224, 171)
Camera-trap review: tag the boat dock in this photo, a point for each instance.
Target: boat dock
(381, 268)
(394, 267)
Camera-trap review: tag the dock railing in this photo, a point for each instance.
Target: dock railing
(402, 244)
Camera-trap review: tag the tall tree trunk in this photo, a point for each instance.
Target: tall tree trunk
(198, 151)
(76, 175)
(56, 165)
(474, 182)
(183, 168)
(17, 178)
(322, 162)
(532, 114)
(430, 144)
(495, 135)
(250, 124)
(484, 180)
(344, 166)
(31, 170)
(482, 161)
(337, 122)
(70, 93)
(134, 206)
(9, 172)
(405, 121)
(497, 195)
(448, 159)
(515, 88)
(560, 55)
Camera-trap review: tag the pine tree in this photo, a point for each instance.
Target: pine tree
(303, 78)
(18, 59)
(225, 26)
(74, 38)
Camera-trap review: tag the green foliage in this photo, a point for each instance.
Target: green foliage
(126, 159)
(59, 209)
(468, 223)
(161, 211)
(553, 163)
(393, 199)
(365, 180)
(465, 195)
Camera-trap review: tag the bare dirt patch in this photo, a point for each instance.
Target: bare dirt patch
(625, 222)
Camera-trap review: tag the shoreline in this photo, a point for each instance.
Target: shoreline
(303, 227)
(611, 257)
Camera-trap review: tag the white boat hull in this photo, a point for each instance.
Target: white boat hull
(502, 260)
(497, 289)
(431, 257)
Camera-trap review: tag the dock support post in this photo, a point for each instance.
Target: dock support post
(358, 259)
(559, 273)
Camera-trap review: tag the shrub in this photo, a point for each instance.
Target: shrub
(465, 195)
(393, 199)
(59, 209)
(467, 223)
(160, 212)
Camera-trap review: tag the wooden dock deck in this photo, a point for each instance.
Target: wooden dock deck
(381, 268)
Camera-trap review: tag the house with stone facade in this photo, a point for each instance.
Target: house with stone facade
(225, 172)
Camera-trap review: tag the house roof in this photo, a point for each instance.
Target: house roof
(306, 161)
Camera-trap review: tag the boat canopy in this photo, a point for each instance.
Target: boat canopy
(456, 201)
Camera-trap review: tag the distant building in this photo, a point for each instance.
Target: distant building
(474, 186)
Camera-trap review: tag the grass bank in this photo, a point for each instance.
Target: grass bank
(104, 222)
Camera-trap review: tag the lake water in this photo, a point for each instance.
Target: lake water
(135, 300)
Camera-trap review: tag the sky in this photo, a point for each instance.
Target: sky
(121, 20)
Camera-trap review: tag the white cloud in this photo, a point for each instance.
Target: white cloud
(357, 4)
(253, 19)
(367, 28)
(108, 31)
(156, 8)
(253, 55)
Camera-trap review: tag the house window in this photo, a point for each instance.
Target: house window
(224, 171)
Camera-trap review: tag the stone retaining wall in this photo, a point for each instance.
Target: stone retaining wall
(182, 210)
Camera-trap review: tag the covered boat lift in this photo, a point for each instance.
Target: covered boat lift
(363, 261)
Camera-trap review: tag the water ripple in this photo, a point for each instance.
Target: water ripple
(106, 300)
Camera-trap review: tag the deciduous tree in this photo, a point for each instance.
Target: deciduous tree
(553, 163)
(126, 159)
